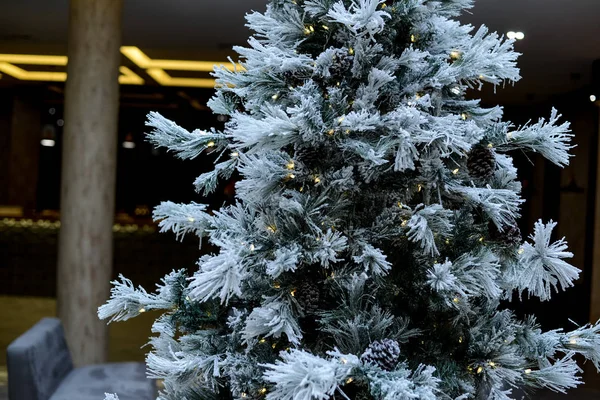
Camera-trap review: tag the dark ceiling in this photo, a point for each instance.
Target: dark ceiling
(562, 36)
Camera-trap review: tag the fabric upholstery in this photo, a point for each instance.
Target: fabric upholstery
(38, 361)
(127, 380)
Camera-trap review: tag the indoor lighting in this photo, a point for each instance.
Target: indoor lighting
(593, 98)
(128, 143)
(47, 142)
(515, 35)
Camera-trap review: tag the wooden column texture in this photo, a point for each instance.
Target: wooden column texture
(85, 253)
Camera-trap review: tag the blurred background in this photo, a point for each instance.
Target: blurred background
(165, 51)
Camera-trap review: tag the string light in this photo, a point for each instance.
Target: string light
(521, 250)
(400, 205)
(413, 38)
(419, 187)
(479, 369)
(347, 131)
(456, 300)
(573, 341)
(244, 394)
(317, 179)
(272, 228)
(274, 345)
(455, 90)
(210, 144)
(142, 310)
(455, 55)
(290, 176)
(325, 27)
(309, 29)
(341, 119)
(404, 222)
(235, 154)
(290, 165)
(460, 339)
(277, 285)
(262, 391)
(187, 298)
(191, 219)
(447, 241)
(509, 135)
(349, 380)
(252, 248)
(490, 146)
(351, 51)
(492, 364)
(528, 371)
(293, 292)
(454, 172)
(464, 116)
(263, 340)
(331, 132)
(344, 361)
(275, 96)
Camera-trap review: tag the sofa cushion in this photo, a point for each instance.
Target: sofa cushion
(127, 380)
(38, 361)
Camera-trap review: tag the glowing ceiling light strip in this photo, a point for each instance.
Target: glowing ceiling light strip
(24, 75)
(160, 76)
(33, 59)
(128, 77)
(143, 61)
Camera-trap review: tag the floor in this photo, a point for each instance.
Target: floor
(126, 339)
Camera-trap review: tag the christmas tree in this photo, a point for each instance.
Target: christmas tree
(373, 239)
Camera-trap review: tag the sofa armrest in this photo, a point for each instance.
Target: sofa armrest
(38, 361)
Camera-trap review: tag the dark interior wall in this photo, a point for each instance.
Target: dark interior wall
(5, 129)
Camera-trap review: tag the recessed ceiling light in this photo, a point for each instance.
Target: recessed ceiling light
(593, 98)
(128, 145)
(47, 142)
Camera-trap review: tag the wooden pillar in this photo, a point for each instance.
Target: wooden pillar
(85, 251)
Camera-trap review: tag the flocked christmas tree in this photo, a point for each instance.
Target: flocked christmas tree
(373, 235)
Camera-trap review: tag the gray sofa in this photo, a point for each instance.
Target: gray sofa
(40, 368)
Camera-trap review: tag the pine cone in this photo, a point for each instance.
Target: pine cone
(383, 353)
(481, 162)
(342, 64)
(511, 236)
(308, 296)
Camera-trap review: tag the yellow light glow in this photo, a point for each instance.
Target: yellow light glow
(479, 370)
(160, 76)
(290, 165)
(34, 59)
(128, 77)
(143, 61)
(262, 391)
(349, 380)
(528, 371)
(24, 75)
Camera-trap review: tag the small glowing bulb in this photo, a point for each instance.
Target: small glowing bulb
(455, 90)
(400, 205)
(210, 144)
(572, 341)
(481, 239)
(349, 380)
(191, 219)
(490, 146)
(142, 310)
(290, 176)
(455, 55)
(317, 179)
(311, 28)
(479, 370)
(521, 250)
(509, 135)
(492, 364)
(511, 35)
(275, 96)
(235, 154)
(455, 300)
(347, 131)
(351, 51)
(262, 340)
(481, 77)
(325, 27)
(244, 394)
(404, 223)
(528, 371)
(274, 345)
(277, 285)
(419, 187)
(187, 298)
(455, 171)
(331, 132)
(262, 391)
(413, 38)
(290, 165)
(293, 293)
(341, 119)
(344, 361)
(464, 116)
(593, 98)
(447, 241)
(460, 339)
(252, 248)
(519, 36)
